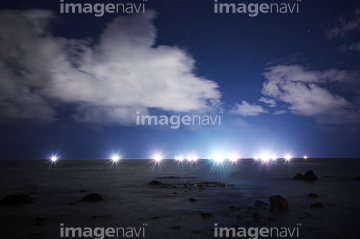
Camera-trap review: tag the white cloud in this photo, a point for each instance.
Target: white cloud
(246, 109)
(269, 102)
(301, 90)
(107, 82)
(21, 70)
(280, 112)
(344, 26)
(352, 47)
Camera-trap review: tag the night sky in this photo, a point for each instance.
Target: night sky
(71, 84)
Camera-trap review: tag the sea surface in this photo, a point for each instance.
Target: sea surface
(166, 211)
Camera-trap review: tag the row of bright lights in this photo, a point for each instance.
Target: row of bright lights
(115, 158)
(193, 158)
(231, 158)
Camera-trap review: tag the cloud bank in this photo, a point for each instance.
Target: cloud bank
(104, 83)
(303, 92)
(344, 26)
(345, 29)
(297, 90)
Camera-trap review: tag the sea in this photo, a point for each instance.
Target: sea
(179, 207)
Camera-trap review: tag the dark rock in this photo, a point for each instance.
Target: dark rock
(214, 184)
(298, 176)
(154, 182)
(357, 178)
(259, 203)
(177, 227)
(310, 176)
(16, 199)
(278, 202)
(222, 185)
(192, 200)
(317, 205)
(206, 215)
(272, 219)
(82, 191)
(256, 215)
(92, 197)
(313, 195)
(169, 177)
(273, 209)
(40, 219)
(239, 217)
(232, 207)
(33, 235)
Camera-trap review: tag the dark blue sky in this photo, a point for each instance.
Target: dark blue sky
(71, 84)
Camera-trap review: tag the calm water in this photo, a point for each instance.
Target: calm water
(128, 201)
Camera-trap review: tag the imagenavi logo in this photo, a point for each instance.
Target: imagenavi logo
(175, 121)
(257, 232)
(99, 9)
(253, 9)
(102, 232)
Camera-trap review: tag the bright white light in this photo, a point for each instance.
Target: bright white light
(305, 157)
(179, 158)
(256, 157)
(54, 158)
(115, 158)
(274, 157)
(265, 158)
(157, 157)
(287, 157)
(192, 158)
(233, 158)
(218, 158)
